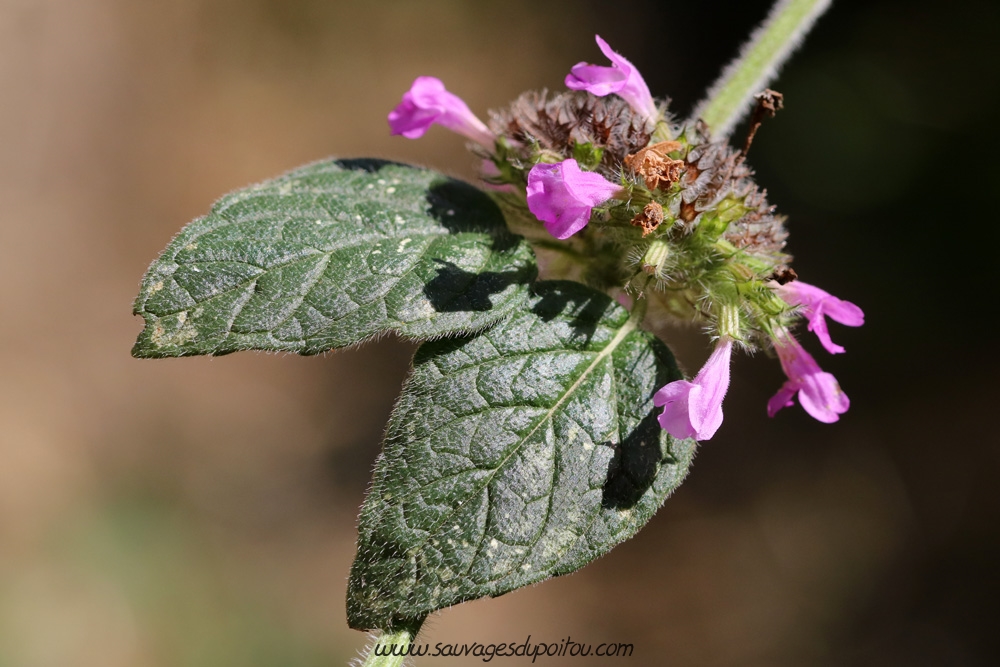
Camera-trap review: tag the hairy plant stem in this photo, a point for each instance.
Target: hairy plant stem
(390, 649)
(757, 63)
(638, 313)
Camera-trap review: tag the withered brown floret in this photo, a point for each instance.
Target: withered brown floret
(784, 275)
(649, 219)
(655, 166)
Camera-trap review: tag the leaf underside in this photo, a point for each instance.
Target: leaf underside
(329, 255)
(514, 455)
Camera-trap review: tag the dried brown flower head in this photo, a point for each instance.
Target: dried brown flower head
(649, 219)
(655, 166)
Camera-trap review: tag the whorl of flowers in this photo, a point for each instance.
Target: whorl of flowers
(649, 205)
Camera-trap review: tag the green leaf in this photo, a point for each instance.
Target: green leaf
(514, 455)
(329, 255)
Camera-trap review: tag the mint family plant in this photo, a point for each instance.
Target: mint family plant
(541, 424)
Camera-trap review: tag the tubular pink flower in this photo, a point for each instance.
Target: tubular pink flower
(621, 78)
(816, 306)
(819, 393)
(694, 409)
(562, 196)
(427, 102)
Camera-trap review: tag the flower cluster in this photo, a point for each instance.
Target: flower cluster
(649, 206)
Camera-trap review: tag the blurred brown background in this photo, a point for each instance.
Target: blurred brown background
(201, 512)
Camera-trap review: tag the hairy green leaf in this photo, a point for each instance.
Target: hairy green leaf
(514, 455)
(331, 254)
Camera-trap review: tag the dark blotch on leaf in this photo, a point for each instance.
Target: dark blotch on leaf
(634, 467)
(478, 212)
(369, 164)
(457, 290)
(587, 310)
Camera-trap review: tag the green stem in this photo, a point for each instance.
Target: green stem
(638, 313)
(392, 643)
(758, 63)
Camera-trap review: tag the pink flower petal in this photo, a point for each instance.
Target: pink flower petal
(816, 306)
(820, 396)
(694, 409)
(426, 103)
(782, 399)
(817, 324)
(595, 79)
(675, 399)
(622, 78)
(562, 196)
(819, 392)
(844, 312)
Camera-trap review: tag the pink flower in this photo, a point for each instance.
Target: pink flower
(695, 408)
(816, 305)
(426, 103)
(819, 393)
(621, 78)
(562, 196)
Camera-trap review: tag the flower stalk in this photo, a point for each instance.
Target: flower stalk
(391, 648)
(758, 63)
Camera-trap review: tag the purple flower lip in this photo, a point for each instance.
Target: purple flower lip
(694, 409)
(819, 392)
(816, 306)
(562, 196)
(622, 79)
(426, 103)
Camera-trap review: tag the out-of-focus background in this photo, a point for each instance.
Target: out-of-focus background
(201, 512)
